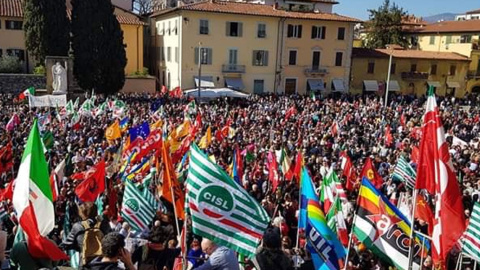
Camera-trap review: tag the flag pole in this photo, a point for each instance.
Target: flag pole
(412, 240)
(421, 255)
(350, 241)
(475, 265)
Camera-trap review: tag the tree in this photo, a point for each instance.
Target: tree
(385, 26)
(10, 64)
(46, 28)
(148, 6)
(97, 44)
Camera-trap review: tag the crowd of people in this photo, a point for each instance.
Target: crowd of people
(319, 128)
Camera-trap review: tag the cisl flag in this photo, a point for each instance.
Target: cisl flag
(32, 200)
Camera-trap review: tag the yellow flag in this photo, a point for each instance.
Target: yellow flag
(183, 129)
(206, 139)
(113, 131)
(156, 125)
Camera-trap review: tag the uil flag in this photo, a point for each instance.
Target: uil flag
(371, 174)
(435, 173)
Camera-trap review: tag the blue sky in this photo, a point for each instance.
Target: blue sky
(358, 8)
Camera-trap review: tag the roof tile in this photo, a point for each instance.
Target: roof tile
(407, 54)
(450, 27)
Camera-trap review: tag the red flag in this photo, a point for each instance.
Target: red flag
(93, 185)
(7, 192)
(6, 158)
(273, 171)
(371, 174)
(290, 112)
(348, 170)
(334, 128)
(388, 136)
(298, 166)
(219, 135)
(424, 212)
(402, 120)
(112, 201)
(435, 173)
(415, 155)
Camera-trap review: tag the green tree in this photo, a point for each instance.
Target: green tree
(46, 28)
(10, 64)
(385, 26)
(97, 44)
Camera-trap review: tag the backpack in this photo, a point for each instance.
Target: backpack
(147, 263)
(92, 242)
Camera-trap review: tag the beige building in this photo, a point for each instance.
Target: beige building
(257, 48)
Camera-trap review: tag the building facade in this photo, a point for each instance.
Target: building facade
(412, 71)
(469, 15)
(460, 37)
(12, 36)
(252, 47)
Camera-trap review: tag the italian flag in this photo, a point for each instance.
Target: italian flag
(26, 93)
(32, 200)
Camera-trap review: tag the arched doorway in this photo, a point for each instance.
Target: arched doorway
(476, 89)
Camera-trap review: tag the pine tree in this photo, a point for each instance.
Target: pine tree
(98, 49)
(385, 26)
(46, 28)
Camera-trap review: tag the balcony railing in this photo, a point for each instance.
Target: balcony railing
(415, 75)
(233, 68)
(473, 74)
(313, 70)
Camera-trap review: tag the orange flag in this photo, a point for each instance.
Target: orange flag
(113, 131)
(170, 183)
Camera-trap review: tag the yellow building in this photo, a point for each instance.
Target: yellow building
(252, 47)
(454, 36)
(12, 40)
(412, 71)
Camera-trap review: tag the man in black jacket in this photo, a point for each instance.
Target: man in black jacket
(113, 249)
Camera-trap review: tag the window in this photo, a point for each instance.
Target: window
(203, 27)
(258, 86)
(13, 25)
(393, 68)
(174, 30)
(262, 30)
(466, 39)
(260, 58)
(169, 54)
(292, 58)
(433, 69)
(294, 31)
(176, 54)
(449, 40)
(206, 56)
(338, 59)
(316, 60)
(162, 56)
(413, 68)
(20, 54)
(453, 70)
(371, 67)
(341, 33)
(319, 32)
(232, 56)
(169, 27)
(234, 29)
(432, 40)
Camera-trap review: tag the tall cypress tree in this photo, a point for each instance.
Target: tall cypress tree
(98, 49)
(385, 26)
(46, 28)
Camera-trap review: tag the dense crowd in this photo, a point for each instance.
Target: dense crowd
(261, 125)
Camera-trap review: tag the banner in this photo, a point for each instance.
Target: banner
(47, 101)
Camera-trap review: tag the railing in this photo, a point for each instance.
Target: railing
(415, 75)
(233, 68)
(313, 70)
(473, 74)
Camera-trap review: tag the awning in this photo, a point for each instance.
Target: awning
(453, 84)
(234, 83)
(370, 85)
(393, 86)
(207, 81)
(212, 93)
(316, 84)
(338, 85)
(434, 83)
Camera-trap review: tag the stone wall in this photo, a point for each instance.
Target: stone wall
(14, 83)
(139, 85)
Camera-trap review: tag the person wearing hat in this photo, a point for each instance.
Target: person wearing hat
(271, 256)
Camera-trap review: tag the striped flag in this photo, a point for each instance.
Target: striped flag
(221, 209)
(404, 172)
(138, 208)
(471, 237)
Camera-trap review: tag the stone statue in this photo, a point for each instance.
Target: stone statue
(59, 83)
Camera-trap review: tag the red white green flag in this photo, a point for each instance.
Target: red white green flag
(32, 200)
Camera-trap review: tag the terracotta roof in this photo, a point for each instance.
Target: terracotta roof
(407, 54)
(256, 10)
(14, 8)
(475, 11)
(450, 27)
(11, 8)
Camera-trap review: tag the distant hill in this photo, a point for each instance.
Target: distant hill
(440, 17)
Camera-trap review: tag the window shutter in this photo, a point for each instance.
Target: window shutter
(227, 31)
(324, 32)
(209, 56)
(265, 58)
(240, 29)
(196, 55)
(290, 31)
(299, 31)
(314, 32)
(254, 57)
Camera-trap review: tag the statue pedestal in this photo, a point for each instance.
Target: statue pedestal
(67, 63)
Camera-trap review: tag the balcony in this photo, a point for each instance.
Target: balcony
(233, 68)
(473, 74)
(314, 70)
(415, 75)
